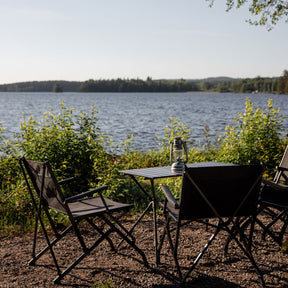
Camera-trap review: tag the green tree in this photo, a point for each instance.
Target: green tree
(282, 86)
(224, 86)
(57, 88)
(266, 12)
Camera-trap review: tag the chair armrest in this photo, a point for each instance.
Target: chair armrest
(277, 186)
(281, 168)
(169, 196)
(65, 181)
(86, 194)
(283, 175)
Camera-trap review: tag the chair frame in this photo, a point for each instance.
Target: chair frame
(275, 209)
(106, 215)
(228, 223)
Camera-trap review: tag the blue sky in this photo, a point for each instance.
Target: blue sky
(96, 39)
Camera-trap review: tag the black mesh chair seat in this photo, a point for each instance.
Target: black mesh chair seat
(92, 206)
(275, 196)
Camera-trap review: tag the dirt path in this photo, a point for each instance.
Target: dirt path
(105, 268)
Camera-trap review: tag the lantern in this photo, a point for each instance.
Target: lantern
(178, 154)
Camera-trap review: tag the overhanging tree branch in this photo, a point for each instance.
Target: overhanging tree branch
(264, 12)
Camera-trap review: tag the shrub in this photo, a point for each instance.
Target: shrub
(73, 144)
(255, 137)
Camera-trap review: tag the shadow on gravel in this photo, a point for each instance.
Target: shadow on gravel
(203, 281)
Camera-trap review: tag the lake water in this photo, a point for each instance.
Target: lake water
(142, 114)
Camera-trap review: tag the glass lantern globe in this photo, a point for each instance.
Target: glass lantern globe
(178, 154)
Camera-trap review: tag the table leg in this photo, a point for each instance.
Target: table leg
(153, 202)
(138, 220)
(142, 189)
(154, 205)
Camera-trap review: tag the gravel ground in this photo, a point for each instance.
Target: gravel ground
(124, 268)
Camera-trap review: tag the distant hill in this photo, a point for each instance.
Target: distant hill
(209, 79)
(41, 86)
(74, 86)
(210, 84)
(217, 79)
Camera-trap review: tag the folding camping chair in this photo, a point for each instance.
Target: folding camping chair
(225, 193)
(79, 207)
(274, 201)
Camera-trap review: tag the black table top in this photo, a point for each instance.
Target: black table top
(165, 171)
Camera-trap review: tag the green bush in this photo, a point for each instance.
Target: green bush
(73, 144)
(256, 137)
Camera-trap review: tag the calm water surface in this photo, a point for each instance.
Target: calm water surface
(142, 114)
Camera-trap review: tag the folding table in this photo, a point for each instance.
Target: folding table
(157, 173)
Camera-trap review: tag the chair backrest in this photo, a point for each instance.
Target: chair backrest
(45, 184)
(226, 191)
(283, 164)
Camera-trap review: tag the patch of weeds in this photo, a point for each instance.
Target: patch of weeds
(105, 284)
(285, 247)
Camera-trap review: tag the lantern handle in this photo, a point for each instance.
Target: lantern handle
(185, 149)
(171, 151)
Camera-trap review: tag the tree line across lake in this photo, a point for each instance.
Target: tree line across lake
(258, 84)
